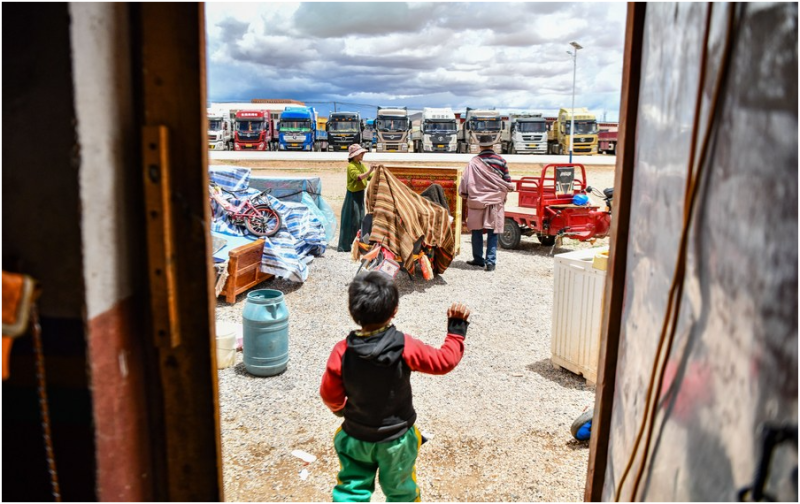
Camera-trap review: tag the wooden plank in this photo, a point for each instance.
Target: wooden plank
(169, 54)
(617, 262)
(160, 239)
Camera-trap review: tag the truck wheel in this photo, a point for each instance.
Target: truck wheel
(511, 235)
(546, 240)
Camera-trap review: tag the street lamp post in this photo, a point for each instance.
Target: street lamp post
(574, 54)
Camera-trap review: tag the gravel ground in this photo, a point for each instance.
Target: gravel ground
(499, 422)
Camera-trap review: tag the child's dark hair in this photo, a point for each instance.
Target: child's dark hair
(372, 298)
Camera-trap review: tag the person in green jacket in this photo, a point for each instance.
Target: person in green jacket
(353, 207)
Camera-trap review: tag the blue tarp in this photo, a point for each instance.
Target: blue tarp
(305, 227)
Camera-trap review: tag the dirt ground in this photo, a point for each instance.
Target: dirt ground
(524, 454)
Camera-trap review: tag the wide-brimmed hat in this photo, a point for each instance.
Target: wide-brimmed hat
(485, 140)
(354, 150)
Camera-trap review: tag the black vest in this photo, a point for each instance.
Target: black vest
(377, 382)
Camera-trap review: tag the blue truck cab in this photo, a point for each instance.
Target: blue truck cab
(297, 130)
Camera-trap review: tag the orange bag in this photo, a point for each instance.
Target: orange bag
(19, 293)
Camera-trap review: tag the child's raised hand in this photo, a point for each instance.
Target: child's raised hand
(459, 311)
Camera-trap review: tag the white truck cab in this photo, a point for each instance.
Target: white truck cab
(220, 130)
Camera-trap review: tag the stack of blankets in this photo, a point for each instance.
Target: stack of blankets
(287, 254)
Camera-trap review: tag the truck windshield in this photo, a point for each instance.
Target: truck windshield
(343, 127)
(243, 125)
(215, 124)
(387, 124)
(485, 124)
(440, 127)
(296, 125)
(531, 127)
(584, 127)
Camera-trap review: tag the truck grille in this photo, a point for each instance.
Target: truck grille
(533, 138)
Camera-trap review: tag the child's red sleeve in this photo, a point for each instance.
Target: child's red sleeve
(438, 361)
(332, 387)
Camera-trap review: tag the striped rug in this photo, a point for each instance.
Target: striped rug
(401, 217)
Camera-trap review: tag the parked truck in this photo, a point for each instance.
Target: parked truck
(524, 133)
(253, 130)
(297, 130)
(368, 136)
(479, 122)
(392, 127)
(585, 140)
(220, 130)
(607, 138)
(436, 131)
(344, 129)
(322, 133)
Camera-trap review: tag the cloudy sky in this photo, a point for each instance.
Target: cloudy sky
(509, 56)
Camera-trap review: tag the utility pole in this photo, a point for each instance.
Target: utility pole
(572, 116)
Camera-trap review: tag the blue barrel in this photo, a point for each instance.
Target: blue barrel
(265, 346)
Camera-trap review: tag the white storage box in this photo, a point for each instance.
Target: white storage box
(577, 312)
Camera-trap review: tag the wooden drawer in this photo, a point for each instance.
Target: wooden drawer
(244, 270)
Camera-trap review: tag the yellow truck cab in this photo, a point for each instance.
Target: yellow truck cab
(585, 141)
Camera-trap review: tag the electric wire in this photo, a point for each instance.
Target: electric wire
(676, 289)
(43, 406)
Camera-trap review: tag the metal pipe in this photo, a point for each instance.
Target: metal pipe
(572, 116)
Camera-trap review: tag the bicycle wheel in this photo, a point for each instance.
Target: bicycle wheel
(265, 221)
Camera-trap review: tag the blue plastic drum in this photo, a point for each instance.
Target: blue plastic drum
(265, 346)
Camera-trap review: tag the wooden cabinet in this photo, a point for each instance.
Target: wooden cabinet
(244, 270)
(418, 178)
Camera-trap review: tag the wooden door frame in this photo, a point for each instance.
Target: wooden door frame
(617, 262)
(169, 55)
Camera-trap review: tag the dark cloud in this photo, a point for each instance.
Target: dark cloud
(232, 29)
(417, 54)
(354, 19)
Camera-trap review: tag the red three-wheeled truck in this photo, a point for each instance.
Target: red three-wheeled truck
(556, 204)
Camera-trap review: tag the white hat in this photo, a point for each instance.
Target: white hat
(354, 150)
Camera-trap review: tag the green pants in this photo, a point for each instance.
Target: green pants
(394, 461)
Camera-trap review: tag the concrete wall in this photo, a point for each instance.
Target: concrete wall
(103, 106)
(110, 189)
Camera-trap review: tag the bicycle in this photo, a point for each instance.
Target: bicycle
(255, 213)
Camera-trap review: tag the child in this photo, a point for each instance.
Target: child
(367, 381)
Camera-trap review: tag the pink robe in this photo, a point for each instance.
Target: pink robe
(486, 193)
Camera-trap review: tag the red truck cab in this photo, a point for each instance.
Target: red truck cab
(253, 130)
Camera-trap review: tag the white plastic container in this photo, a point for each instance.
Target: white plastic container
(577, 312)
(226, 344)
